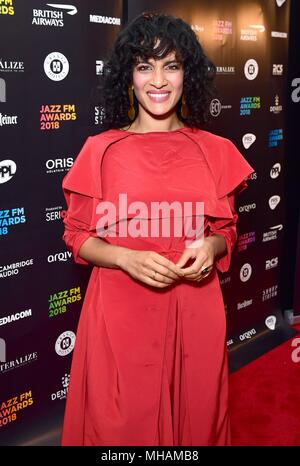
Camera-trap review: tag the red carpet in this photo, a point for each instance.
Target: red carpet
(265, 400)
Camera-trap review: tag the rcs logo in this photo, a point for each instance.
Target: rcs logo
(296, 92)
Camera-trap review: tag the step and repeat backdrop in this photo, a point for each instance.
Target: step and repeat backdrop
(50, 62)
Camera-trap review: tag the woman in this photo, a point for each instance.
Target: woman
(150, 362)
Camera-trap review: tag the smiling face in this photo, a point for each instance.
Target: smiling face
(158, 84)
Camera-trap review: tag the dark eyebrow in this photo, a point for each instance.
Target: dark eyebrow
(166, 63)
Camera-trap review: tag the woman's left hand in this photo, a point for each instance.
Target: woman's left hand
(204, 256)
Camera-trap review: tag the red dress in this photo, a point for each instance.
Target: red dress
(150, 364)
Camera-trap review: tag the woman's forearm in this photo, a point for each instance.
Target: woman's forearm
(102, 254)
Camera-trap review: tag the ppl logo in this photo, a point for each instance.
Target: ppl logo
(7, 170)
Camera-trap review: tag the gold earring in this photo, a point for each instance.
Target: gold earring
(184, 109)
(131, 110)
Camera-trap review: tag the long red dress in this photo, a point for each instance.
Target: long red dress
(150, 364)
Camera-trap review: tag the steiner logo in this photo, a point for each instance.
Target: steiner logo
(56, 66)
(7, 170)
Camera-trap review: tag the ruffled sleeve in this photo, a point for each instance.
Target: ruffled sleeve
(231, 172)
(82, 189)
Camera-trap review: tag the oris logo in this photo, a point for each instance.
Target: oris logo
(251, 69)
(7, 170)
(274, 201)
(247, 335)
(245, 272)
(275, 170)
(59, 257)
(247, 207)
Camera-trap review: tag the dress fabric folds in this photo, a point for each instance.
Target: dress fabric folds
(150, 364)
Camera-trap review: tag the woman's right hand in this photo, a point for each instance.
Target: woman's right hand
(142, 266)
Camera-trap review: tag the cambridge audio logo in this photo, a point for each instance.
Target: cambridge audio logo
(2, 90)
(54, 16)
(7, 7)
(7, 170)
(251, 69)
(56, 66)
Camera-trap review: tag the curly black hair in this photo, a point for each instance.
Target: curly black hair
(138, 41)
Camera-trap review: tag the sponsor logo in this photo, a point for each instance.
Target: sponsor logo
(269, 293)
(8, 120)
(7, 170)
(10, 408)
(105, 20)
(7, 7)
(248, 335)
(56, 66)
(62, 393)
(275, 135)
(245, 272)
(272, 233)
(245, 239)
(10, 66)
(274, 201)
(221, 29)
(248, 104)
(275, 170)
(280, 2)
(226, 70)
(11, 217)
(229, 342)
(6, 366)
(248, 140)
(247, 207)
(55, 213)
(270, 322)
(197, 28)
(13, 268)
(51, 116)
(277, 69)
(98, 115)
(59, 257)
(216, 107)
(278, 34)
(58, 302)
(59, 165)
(53, 17)
(2, 90)
(251, 69)
(271, 263)
(14, 317)
(65, 343)
(244, 304)
(276, 108)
